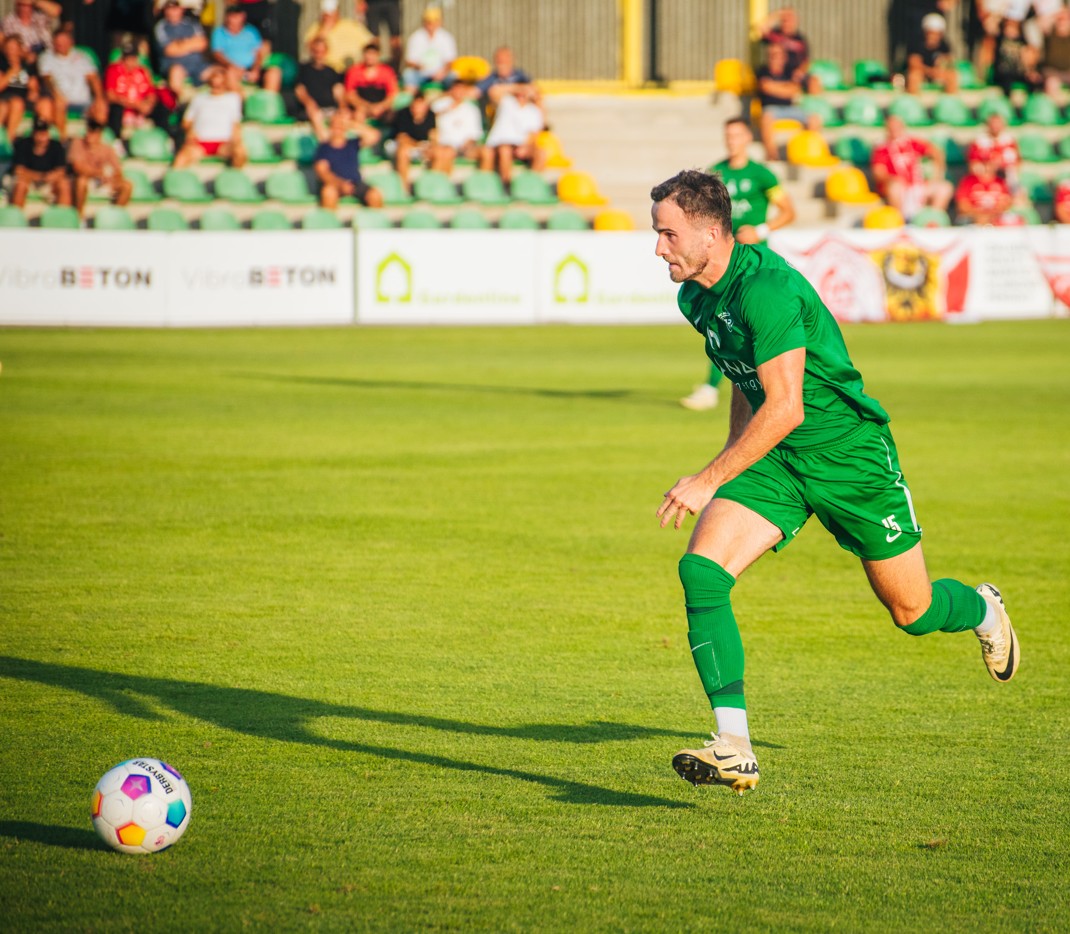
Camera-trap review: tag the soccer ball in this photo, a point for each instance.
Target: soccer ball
(141, 806)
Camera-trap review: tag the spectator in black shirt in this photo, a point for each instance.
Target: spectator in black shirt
(414, 134)
(931, 59)
(318, 89)
(40, 162)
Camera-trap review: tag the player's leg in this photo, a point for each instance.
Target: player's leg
(705, 395)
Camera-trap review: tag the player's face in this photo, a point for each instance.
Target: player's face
(682, 243)
(737, 139)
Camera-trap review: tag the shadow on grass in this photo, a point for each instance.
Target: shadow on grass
(280, 717)
(70, 837)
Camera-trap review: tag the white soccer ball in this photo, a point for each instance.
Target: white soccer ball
(141, 806)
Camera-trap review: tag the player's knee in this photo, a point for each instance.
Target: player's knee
(705, 582)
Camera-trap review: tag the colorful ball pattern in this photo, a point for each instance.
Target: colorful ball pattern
(141, 806)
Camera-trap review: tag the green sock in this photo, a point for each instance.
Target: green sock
(716, 645)
(715, 376)
(955, 608)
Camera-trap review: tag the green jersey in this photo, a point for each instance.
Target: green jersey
(749, 189)
(763, 307)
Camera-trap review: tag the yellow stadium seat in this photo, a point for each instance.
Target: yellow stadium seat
(551, 145)
(884, 217)
(849, 186)
(578, 188)
(811, 149)
(733, 77)
(614, 220)
(471, 68)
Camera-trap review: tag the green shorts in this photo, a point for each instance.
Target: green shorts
(853, 485)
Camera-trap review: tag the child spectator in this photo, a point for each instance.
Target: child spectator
(95, 165)
(318, 88)
(39, 162)
(371, 85)
(429, 53)
(931, 61)
(415, 135)
(337, 163)
(240, 48)
(183, 47)
(212, 124)
(518, 120)
(459, 126)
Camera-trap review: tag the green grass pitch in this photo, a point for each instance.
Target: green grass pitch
(397, 605)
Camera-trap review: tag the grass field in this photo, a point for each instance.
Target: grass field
(396, 603)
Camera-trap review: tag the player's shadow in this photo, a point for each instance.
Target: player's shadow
(72, 838)
(281, 717)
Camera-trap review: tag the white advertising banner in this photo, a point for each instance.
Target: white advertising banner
(446, 277)
(610, 277)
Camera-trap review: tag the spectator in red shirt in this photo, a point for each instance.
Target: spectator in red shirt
(998, 147)
(1062, 202)
(897, 171)
(982, 197)
(131, 93)
(371, 85)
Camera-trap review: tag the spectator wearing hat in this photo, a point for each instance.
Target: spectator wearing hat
(415, 135)
(518, 120)
(131, 93)
(73, 80)
(931, 60)
(318, 89)
(337, 162)
(40, 162)
(212, 124)
(345, 38)
(183, 46)
(429, 53)
(371, 85)
(32, 22)
(241, 50)
(95, 165)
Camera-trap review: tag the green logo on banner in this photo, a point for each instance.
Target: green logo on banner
(571, 280)
(393, 280)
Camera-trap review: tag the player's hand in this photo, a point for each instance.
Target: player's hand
(689, 496)
(747, 234)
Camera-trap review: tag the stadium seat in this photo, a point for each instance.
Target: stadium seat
(532, 188)
(1042, 110)
(183, 185)
(551, 147)
(90, 53)
(1036, 186)
(270, 220)
(954, 151)
(143, 191)
(370, 155)
(869, 73)
(968, 80)
(567, 219)
(420, 219)
(884, 217)
(470, 68)
(732, 76)
(266, 107)
(436, 188)
(848, 185)
(401, 100)
(1027, 213)
(613, 220)
(517, 219)
(930, 217)
(853, 149)
(321, 219)
(300, 147)
(166, 219)
(1036, 148)
(485, 188)
(286, 64)
(111, 217)
(469, 219)
(5, 145)
(952, 110)
(809, 148)
(390, 186)
(289, 187)
(1001, 105)
(11, 216)
(60, 217)
(579, 188)
(234, 185)
(822, 108)
(371, 219)
(150, 144)
(829, 73)
(257, 146)
(910, 110)
(219, 219)
(863, 110)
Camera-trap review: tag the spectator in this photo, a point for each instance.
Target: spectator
(379, 13)
(73, 80)
(258, 15)
(779, 93)
(371, 85)
(897, 171)
(415, 135)
(1056, 62)
(19, 85)
(1062, 201)
(429, 53)
(212, 124)
(337, 163)
(982, 197)
(931, 61)
(131, 94)
(95, 164)
(781, 28)
(32, 22)
(504, 78)
(241, 50)
(458, 125)
(318, 89)
(518, 120)
(183, 45)
(998, 148)
(85, 19)
(1016, 62)
(345, 38)
(39, 162)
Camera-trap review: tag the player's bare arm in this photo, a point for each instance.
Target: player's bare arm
(781, 413)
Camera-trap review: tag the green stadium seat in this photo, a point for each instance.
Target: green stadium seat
(166, 219)
(6, 151)
(257, 146)
(390, 186)
(300, 147)
(517, 219)
(863, 110)
(968, 80)
(143, 190)
(853, 149)
(998, 105)
(266, 107)
(321, 219)
(185, 186)
(1037, 188)
(1027, 214)
(369, 156)
(436, 188)
(270, 220)
(150, 144)
(234, 185)
(1042, 110)
(60, 217)
(469, 219)
(829, 73)
(532, 188)
(219, 219)
(567, 219)
(951, 110)
(823, 109)
(930, 217)
(1036, 148)
(289, 187)
(11, 216)
(90, 53)
(910, 110)
(111, 217)
(869, 73)
(286, 64)
(371, 219)
(419, 219)
(485, 188)
(954, 151)
(401, 100)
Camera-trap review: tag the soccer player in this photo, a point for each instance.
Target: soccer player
(803, 439)
(752, 188)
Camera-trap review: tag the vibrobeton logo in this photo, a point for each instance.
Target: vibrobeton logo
(393, 280)
(104, 277)
(572, 280)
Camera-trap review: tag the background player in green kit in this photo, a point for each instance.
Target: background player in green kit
(752, 188)
(803, 439)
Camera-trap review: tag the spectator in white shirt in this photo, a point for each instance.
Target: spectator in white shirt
(429, 53)
(212, 124)
(459, 124)
(518, 120)
(73, 81)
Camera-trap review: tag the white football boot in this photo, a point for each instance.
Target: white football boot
(723, 760)
(999, 649)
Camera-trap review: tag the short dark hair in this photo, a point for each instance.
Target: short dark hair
(698, 195)
(742, 121)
